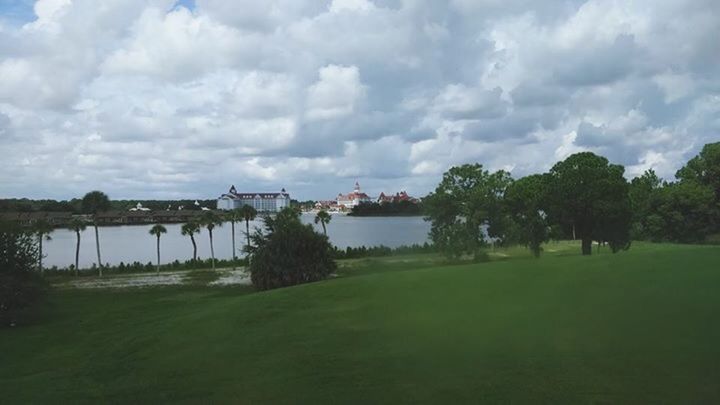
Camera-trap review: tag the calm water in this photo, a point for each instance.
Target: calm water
(131, 243)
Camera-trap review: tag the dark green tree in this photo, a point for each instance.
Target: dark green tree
(467, 199)
(287, 252)
(94, 203)
(323, 217)
(704, 168)
(526, 202)
(20, 287)
(190, 229)
(233, 216)
(590, 194)
(77, 225)
(42, 229)
(157, 230)
(681, 212)
(248, 213)
(642, 190)
(211, 219)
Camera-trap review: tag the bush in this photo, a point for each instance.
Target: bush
(289, 253)
(19, 286)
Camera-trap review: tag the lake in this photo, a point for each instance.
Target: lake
(129, 243)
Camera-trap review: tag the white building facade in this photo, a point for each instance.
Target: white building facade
(353, 199)
(262, 202)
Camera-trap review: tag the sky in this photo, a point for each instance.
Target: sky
(152, 99)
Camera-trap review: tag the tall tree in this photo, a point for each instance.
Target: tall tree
(248, 213)
(323, 218)
(77, 225)
(643, 190)
(190, 229)
(682, 212)
(234, 216)
(157, 230)
(589, 193)
(211, 219)
(526, 202)
(42, 230)
(20, 287)
(94, 203)
(704, 168)
(467, 200)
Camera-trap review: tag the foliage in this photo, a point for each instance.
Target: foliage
(20, 287)
(42, 230)
(704, 168)
(211, 219)
(95, 202)
(526, 202)
(589, 193)
(190, 229)
(681, 212)
(248, 213)
(288, 252)
(642, 190)
(157, 230)
(324, 218)
(380, 251)
(391, 208)
(467, 199)
(77, 225)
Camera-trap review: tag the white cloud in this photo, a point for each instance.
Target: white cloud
(335, 94)
(147, 99)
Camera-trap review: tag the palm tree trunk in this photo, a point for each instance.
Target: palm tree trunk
(97, 246)
(324, 230)
(232, 223)
(247, 232)
(212, 250)
(192, 239)
(77, 254)
(158, 254)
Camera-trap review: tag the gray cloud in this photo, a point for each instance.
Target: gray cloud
(144, 98)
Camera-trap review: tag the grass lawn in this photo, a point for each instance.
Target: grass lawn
(639, 326)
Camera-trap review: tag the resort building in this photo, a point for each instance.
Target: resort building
(262, 202)
(353, 199)
(398, 197)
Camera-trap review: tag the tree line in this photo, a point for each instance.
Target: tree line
(75, 205)
(583, 197)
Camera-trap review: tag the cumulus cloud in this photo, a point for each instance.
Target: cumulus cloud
(150, 98)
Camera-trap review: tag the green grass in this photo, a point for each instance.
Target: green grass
(640, 326)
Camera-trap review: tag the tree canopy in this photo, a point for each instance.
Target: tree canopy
(287, 252)
(466, 205)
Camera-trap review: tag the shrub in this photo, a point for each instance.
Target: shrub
(288, 253)
(20, 287)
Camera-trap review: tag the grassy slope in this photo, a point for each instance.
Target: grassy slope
(641, 326)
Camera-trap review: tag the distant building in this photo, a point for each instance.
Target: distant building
(139, 207)
(353, 199)
(262, 202)
(398, 197)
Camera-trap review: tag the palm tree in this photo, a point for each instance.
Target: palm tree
(78, 225)
(190, 229)
(42, 229)
(248, 213)
(158, 230)
(322, 217)
(94, 203)
(234, 216)
(211, 219)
